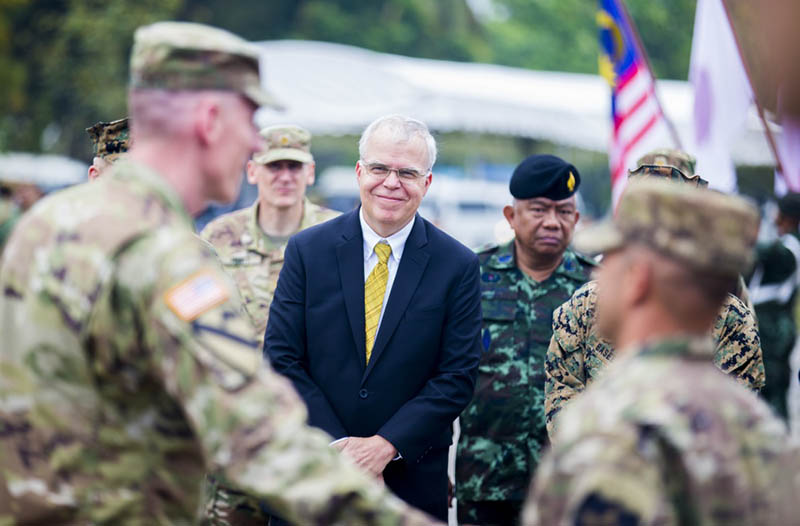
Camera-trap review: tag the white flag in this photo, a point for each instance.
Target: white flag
(722, 95)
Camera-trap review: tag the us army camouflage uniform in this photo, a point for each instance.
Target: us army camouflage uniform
(664, 439)
(577, 354)
(127, 373)
(253, 261)
(503, 430)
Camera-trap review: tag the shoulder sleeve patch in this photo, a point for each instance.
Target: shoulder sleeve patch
(196, 295)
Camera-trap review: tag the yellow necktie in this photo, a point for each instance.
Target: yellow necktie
(374, 290)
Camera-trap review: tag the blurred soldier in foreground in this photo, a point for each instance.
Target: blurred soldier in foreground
(662, 437)
(127, 371)
(522, 282)
(251, 242)
(773, 287)
(109, 141)
(578, 354)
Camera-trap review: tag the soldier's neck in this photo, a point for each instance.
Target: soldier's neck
(173, 169)
(280, 222)
(651, 324)
(536, 267)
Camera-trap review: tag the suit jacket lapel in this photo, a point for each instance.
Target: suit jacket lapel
(350, 253)
(409, 274)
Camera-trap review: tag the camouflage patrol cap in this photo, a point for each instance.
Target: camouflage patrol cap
(285, 142)
(185, 56)
(668, 157)
(110, 139)
(668, 172)
(708, 230)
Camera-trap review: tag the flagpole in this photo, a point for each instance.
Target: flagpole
(638, 41)
(761, 115)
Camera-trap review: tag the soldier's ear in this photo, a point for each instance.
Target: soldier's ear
(508, 213)
(310, 173)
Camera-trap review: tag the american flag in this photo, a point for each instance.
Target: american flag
(639, 122)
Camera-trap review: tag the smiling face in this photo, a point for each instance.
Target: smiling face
(281, 184)
(390, 202)
(542, 226)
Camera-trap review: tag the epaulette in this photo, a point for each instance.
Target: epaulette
(487, 248)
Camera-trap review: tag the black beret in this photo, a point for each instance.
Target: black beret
(789, 205)
(544, 176)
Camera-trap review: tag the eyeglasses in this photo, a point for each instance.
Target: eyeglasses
(381, 171)
(667, 172)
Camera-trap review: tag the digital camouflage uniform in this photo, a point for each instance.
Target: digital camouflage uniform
(254, 262)
(127, 370)
(577, 354)
(110, 139)
(503, 429)
(662, 438)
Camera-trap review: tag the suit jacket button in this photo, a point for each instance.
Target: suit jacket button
(363, 393)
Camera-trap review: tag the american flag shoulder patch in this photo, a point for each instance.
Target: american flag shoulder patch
(196, 295)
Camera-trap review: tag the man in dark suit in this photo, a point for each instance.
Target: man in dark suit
(376, 320)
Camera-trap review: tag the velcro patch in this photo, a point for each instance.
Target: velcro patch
(196, 295)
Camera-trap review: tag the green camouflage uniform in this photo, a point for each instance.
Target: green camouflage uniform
(503, 429)
(577, 354)
(775, 282)
(127, 371)
(662, 438)
(252, 259)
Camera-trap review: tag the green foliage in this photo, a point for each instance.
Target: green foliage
(67, 61)
(63, 63)
(562, 34)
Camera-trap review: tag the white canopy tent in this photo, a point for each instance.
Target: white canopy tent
(336, 89)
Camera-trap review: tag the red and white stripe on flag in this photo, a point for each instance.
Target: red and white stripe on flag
(639, 125)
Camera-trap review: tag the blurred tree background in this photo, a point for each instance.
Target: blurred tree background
(63, 63)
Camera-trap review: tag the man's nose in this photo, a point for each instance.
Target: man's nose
(550, 219)
(392, 180)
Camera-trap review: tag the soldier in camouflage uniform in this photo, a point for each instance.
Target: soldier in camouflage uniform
(127, 370)
(109, 141)
(774, 284)
(251, 242)
(522, 282)
(662, 437)
(577, 354)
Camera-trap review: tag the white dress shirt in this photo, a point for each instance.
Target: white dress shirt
(398, 243)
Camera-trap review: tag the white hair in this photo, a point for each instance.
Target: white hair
(402, 129)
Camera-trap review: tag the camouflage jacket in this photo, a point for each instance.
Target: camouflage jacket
(127, 373)
(252, 259)
(577, 354)
(503, 429)
(663, 439)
